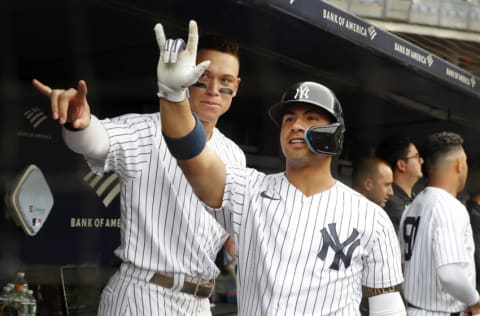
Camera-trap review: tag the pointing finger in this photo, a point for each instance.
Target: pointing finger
(82, 88)
(44, 89)
(47, 91)
(192, 38)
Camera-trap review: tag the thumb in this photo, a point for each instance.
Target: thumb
(198, 71)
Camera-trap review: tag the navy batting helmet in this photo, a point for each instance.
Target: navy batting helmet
(326, 139)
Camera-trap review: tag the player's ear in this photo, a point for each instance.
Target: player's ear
(368, 184)
(401, 165)
(458, 165)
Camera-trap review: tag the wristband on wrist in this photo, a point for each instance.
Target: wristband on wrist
(190, 145)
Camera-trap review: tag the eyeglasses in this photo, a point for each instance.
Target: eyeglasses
(417, 156)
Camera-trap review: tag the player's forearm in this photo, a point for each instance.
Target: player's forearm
(177, 118)
(92, 141)
(455, 281)
(207, 176)
(203, 168)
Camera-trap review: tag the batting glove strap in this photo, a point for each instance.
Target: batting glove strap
(171, 95)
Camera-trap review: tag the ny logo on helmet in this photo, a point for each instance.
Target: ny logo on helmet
(302, 93)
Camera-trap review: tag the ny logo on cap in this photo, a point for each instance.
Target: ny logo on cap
(302, 93)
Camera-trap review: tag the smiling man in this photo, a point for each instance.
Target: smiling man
(306, 243)
(168, 241)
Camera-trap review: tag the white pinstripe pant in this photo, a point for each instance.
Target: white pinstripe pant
(125, 296)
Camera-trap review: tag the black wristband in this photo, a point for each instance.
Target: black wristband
(190, 145)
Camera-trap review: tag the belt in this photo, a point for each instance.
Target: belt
(451, 314)
(201, 289)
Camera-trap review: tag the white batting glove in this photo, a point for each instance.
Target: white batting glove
(176, 69)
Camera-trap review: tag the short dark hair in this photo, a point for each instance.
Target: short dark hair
(219, 43)
(393, 149)
(437, 145)
(364, 167)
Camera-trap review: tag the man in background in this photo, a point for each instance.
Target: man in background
(473, 207)
(436, 236)
(373, 178)
(406, 162)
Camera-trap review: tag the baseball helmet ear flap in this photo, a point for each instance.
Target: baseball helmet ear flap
(325, 139)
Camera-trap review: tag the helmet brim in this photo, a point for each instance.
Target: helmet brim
(277, 110)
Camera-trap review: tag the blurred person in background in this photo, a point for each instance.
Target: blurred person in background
(406, 162)
(436, 235)
(373, 178)
(473, 207)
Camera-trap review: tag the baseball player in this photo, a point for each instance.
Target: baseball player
(168, 242)
(436, 236)
(305, 243)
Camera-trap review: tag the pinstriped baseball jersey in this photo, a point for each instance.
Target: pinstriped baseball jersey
(305, 255)
(435, 230)
(163, 225)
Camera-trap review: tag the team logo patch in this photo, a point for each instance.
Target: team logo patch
(331, 240)
(302, 93)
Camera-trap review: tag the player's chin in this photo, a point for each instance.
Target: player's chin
(209, 113)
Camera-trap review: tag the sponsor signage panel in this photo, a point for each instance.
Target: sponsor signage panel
(355, 29)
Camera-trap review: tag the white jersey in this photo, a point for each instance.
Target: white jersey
(164, 226)
(305, 255)
(435, 230)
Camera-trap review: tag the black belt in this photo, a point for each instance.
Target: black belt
(201, 289)
(451, 314)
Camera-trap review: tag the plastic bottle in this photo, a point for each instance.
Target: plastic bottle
(31, 304)
(20, 282)
(17, 298)
(6, 296)
(22, 302)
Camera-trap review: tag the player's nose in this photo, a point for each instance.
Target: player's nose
(389, 192)
(213, 87)
(298, 125)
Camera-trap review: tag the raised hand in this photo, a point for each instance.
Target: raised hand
(68, 105)
(176, 69)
